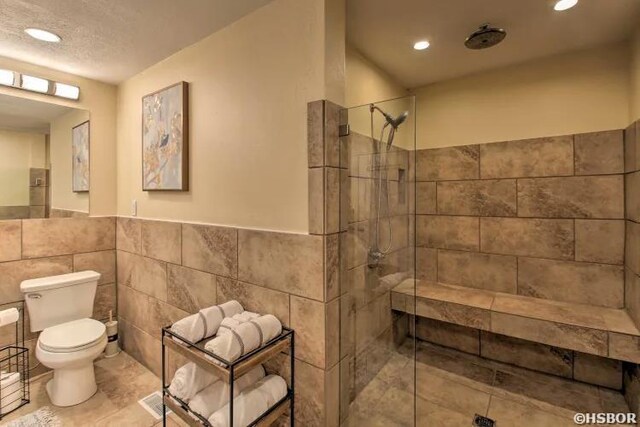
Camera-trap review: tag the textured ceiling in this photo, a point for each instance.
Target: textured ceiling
(26, 115)
(384, 31)
(111, 40)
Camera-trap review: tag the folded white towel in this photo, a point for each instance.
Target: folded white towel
(189, 380)
(235, 321)
(244, 338)
(251, 403)
(216, 395)
(205, 323)
(11, 392)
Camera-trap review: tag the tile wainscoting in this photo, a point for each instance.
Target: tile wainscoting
(33, 248)
(167, 270)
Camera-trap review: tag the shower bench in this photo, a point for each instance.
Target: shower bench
(601, 331)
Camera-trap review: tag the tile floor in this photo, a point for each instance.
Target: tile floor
(453, 386)
(122, 381)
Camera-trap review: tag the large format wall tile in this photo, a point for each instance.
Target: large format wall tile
(632, 246)
(632, 196)
(598, 370)
(211, 249)
(448, 232)
(549, 238)
(572, 197)
(105, 301)
(189, 289)
(133, 306)
(482, 198)
(556, 334)
(527, 354)
(427, 264)
(632, 295)
(632, 147)
(530, 157)
(464, 315)
(162, 240)
(141, 346)
(426, 198)
(50, 237)
(309, 322)
(129, 234)
(449, 163)
(287, 262)
(10, 240)
(104, 262)
(143, 274)
(483, 271)
(579, 282)
(37, 196)
(624, 347)
(448, 335)
(254, 298)
(599, 153)
(600, 241)
(14, 272)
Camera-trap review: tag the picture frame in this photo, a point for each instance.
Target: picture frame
(80, 158)
(165, 139)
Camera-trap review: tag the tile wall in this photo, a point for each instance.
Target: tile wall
(540, 217)
(632, 252)
(33, 248)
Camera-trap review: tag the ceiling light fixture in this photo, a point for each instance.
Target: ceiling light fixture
(564, 5)
(67, 91)
(43, 35)
(7, 78)
(35, 84)
(421, 45)
(17, 80)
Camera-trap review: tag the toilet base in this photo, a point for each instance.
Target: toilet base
(72, 386)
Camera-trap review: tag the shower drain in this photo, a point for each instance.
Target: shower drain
(481, 421)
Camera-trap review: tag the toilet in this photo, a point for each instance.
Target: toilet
(61, 308)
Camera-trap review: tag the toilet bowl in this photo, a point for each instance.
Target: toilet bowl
(70, 349)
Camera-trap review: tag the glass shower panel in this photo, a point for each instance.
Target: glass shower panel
(377, 370)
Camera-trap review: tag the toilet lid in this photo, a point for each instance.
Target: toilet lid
(72, 336)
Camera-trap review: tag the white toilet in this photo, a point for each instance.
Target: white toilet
(61, 307)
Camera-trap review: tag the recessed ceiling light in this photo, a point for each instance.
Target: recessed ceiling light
(421, 45)
(43, 35)
(565, 4)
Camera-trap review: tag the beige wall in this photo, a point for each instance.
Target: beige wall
(249, 88)
(634, 104)
(19, 151)
(571, 93)
(62, 195)
(100, 100)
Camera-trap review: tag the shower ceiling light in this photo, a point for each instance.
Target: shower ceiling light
(565, 4)
(421, 45)
(43, 35)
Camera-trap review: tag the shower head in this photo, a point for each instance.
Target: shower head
(393, 121)
(484, 37)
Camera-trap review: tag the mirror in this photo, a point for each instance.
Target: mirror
(44, 160)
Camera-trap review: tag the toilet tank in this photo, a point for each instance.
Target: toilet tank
(58, 299)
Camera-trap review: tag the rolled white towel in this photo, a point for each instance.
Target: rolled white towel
(189, 380)
(228, 324)
(205, 323)
(245, 316)
(216, 395)
(251, 403)
(11, 392)
(9, 316)
(245, 338)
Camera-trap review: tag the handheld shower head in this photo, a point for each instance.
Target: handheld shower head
(393, 121)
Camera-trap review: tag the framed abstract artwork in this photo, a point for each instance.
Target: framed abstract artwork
(80, 157)
(165, 139)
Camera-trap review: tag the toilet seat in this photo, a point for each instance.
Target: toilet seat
(72, 336)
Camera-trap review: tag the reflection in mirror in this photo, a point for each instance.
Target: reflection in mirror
(38, 160)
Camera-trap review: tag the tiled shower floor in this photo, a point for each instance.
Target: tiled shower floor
(452, 387)
(121, 383)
